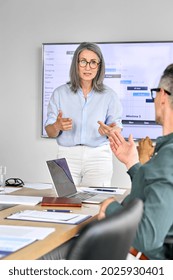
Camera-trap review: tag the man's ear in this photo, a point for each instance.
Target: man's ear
(163, 96)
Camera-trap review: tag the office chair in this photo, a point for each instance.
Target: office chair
(169, 243)
(110, 238)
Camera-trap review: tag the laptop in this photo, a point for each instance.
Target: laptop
(5, 206)
(64, 184)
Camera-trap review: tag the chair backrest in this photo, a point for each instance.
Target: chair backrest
(169, 244)
(110, 238)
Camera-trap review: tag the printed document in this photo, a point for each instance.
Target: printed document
(51, 217)
(13, 238)
(20, 199)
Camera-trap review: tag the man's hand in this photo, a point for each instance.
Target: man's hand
(106, 129)
(103, 207)
(145, 149)
(124, 150)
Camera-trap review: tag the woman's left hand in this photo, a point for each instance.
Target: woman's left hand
(106, 129)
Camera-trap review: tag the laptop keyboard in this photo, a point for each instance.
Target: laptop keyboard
(83, 195)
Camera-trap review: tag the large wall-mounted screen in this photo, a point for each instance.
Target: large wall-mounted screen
(132, 69)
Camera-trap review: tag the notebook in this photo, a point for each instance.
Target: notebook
(64, 184)
(61, 201)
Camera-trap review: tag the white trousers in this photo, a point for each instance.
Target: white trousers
(89, 166)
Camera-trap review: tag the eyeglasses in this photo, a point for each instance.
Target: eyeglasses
(14, 182)
(93, 64)
(155, 90)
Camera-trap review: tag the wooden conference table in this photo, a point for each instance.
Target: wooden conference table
(62, 233)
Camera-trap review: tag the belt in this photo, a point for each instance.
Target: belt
(137, 254)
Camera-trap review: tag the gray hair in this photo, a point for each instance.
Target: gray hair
(166, 81)
(74, 73)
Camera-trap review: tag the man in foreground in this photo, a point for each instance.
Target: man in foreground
(153, 181)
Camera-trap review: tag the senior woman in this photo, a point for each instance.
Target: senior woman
(76, 112)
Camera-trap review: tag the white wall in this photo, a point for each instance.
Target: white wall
(24, 26)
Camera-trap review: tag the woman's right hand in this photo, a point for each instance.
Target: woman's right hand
(63, 124)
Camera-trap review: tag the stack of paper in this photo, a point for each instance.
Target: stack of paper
(51, 217)
(20, 199)
(9, 245)
(13, 238)
(108, 190)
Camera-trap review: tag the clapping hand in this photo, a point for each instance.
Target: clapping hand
(145, 149)
(124, 150)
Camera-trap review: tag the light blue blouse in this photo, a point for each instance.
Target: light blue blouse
(84, 112)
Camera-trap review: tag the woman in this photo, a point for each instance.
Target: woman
(76, 112)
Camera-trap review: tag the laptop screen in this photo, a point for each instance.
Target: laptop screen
(61, 177)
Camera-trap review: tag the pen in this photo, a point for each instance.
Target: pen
(104, 190)
(60, 211)
(102, 187)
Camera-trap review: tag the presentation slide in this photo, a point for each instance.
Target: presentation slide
(132, 69)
